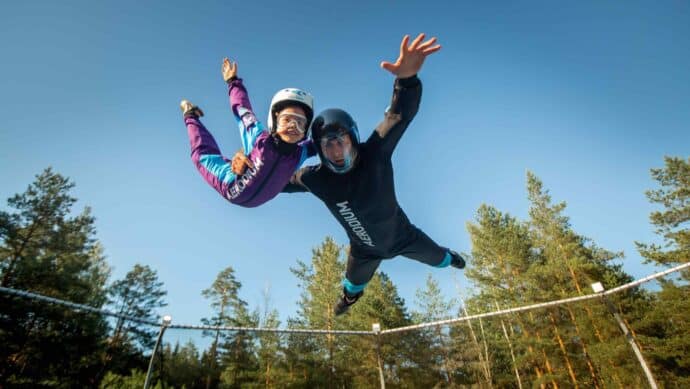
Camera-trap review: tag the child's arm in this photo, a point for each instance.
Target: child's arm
(250, 127)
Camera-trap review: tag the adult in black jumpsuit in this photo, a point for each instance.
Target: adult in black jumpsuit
(361, 196)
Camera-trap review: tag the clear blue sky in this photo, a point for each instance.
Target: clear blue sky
(588, 95)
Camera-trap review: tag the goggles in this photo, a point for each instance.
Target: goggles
(299, 121)
(330, 141)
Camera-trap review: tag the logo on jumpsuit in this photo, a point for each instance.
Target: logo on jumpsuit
(354, 223)
(242, 181)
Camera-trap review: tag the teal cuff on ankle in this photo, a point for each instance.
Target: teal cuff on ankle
(352, 288)
(446, 260)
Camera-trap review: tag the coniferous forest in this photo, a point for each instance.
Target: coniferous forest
(50, 248)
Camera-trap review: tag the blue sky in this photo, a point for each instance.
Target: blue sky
(589, 96)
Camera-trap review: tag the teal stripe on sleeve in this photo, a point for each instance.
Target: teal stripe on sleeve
(217, 166)
(249, 135)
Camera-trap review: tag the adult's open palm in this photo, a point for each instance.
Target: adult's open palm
(412, 56)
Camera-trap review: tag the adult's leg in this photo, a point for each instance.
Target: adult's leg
(423, 249)
(210, 163)
(359, 272)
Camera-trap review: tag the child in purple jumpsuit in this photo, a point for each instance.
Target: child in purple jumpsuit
(273, 155)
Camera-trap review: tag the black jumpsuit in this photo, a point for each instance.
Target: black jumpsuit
(363, 200)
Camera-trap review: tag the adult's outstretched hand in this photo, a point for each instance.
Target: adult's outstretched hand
(412, 56)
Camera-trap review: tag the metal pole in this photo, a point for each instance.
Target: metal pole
(510, 346)
(166, 322)
(598, 288)
(376, 328)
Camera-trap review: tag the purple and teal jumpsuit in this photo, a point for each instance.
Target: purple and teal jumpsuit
(274, 160)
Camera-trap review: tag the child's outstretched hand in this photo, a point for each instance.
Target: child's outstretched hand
(229, 69)
(240, 163)
(411, 57)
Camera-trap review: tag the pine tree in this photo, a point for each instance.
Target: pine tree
(236, 359)
(47, 250)
(381, 304)
(182, 366)
(320, 282)
(597, 348)
(502, 261)
(433, 307)
(269, 347)
(575, 262)
(224, 289)
(332, 360)
(663, 329)
(139, 294)
(517, 263)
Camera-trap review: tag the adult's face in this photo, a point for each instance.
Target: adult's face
(337, 148)
(292, 123)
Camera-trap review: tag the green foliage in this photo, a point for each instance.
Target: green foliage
(663, 328)
(672, 221)
(521, 262)
(46, 249)
(182, 366)
(139, 295)
(232, 361)
(135, 380)
(269, 351)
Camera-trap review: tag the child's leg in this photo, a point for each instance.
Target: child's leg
(207, 157)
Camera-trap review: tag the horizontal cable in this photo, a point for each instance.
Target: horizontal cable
(86, 308)
(74, 306)
(538, 305)
(265, 329)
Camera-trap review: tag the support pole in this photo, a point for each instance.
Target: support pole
(376, 328)
(510, 347)
(166, 322)
(599, 288)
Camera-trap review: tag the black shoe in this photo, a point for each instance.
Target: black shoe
(456, 260)
(345, 301)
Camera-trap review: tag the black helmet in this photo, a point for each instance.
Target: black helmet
(330, 124)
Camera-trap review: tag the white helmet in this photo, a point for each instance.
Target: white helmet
(286, 97)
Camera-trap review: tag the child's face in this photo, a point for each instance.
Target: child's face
(337, 148)
(292, 124)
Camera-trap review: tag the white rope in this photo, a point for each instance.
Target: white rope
(86, 308)
(539, 305)
(274, 330)
(75, 306)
